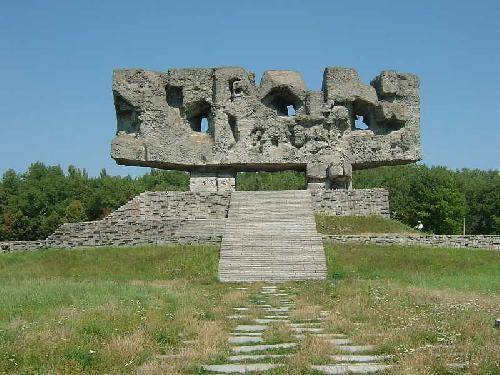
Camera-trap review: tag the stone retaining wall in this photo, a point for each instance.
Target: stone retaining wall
(9, 246)
(456, 241)
(161, 205)
(100, 233)
(356, 202)
(187, 217)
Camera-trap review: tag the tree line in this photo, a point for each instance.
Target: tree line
(34, 203)
(440, 198)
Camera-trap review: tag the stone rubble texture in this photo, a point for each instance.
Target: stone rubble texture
(277, 125)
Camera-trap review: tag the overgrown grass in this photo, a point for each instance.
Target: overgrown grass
(428, 307)
(108, 310)
(430, 268)
(115, 310)
(327, 224)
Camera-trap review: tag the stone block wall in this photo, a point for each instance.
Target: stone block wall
(8, 246)
(101, 233)
(356, 202)
(162, 205)
(455, 241)
(152, 218)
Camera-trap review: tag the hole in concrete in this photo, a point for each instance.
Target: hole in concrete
(359, 123)
(235, 88)
(174, 96)
(126, 115)
(234, 127)
(200, 118)
(283, 101)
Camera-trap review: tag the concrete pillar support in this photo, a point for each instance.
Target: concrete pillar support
(212, 181)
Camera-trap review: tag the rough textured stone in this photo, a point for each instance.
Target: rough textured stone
(457, 241)
(366, 368)
(357, 202)
(245, 339)
(241, 369)
(277, 125)
(360, 358)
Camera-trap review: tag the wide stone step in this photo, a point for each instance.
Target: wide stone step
(355, 348)
(245, 339)
(365, 368)
(261, 348)
(251, 328)
(255, 357)
(267, 321)
(240, 368)
(359, 358)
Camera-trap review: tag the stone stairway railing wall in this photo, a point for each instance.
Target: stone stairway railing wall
(104, 233)
(161, 205)
(355, 202)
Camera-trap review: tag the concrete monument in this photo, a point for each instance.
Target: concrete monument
(214, 122)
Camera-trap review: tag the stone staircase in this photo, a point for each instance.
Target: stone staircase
(271, 236)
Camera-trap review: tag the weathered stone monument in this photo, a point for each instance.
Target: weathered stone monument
(215, 122)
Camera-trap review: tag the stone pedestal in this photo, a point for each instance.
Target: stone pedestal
(212, 181)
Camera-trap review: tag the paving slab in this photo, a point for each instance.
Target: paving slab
(302, 330)
(277, 309)
(245, 339)
(261, 348)
(240, 368)
(272, 321)
(355, 348)
(366, 368)
(305, 325)
(360, 358)
(246, 333)
(255, 357)
(324, 336)
(339, 341)
(237, 317)
(251, 328)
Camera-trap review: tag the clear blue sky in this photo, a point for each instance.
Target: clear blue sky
(56, 60)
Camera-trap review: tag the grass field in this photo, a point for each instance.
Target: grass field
(343, 225)
(116, 310)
